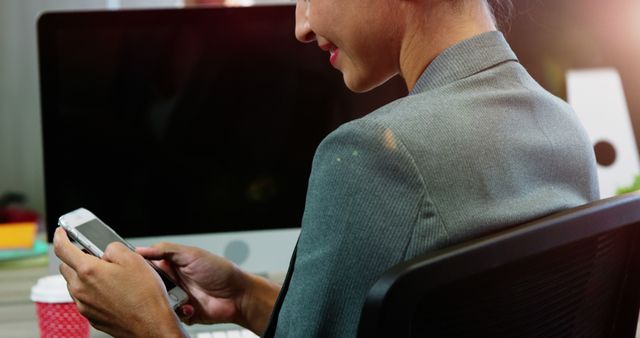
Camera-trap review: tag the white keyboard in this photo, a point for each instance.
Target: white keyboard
(233, 333)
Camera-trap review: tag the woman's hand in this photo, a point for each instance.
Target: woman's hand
(219, 291)
(120, 294)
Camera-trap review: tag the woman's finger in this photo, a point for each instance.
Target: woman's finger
(68, 273)
(67, 252)
(118, 253)
(185, 313)
(177, 254)
(150, 253)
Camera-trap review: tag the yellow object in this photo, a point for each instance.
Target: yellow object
(17, 235)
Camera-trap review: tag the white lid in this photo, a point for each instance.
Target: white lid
(51, 289)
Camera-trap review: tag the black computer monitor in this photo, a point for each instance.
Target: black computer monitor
(186, 121)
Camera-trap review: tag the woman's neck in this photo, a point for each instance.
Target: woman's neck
(433, 26)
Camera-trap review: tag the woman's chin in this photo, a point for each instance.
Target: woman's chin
(362, 84)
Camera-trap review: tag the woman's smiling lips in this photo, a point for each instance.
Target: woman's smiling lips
(333, 56)
(333, 52)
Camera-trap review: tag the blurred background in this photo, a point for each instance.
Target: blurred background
(549, 36)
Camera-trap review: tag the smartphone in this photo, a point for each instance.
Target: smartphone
(90, 232)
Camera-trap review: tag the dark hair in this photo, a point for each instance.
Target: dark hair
(502, 11)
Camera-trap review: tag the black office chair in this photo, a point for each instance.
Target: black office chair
(572, 274)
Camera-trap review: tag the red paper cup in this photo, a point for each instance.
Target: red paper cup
(58, 316)
(61, 320)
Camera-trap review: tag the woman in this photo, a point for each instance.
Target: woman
(476, 146)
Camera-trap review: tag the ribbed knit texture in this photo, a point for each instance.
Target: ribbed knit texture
(477, 146)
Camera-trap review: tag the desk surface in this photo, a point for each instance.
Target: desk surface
(17, 312)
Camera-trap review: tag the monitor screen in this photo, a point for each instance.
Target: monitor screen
(186, 121)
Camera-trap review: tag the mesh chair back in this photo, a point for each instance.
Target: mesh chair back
(572, 274)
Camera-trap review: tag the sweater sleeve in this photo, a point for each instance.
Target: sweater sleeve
(364, 200)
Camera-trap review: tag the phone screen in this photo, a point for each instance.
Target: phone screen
(98, 234)
(101, 236)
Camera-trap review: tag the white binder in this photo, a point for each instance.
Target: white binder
(598, 98)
